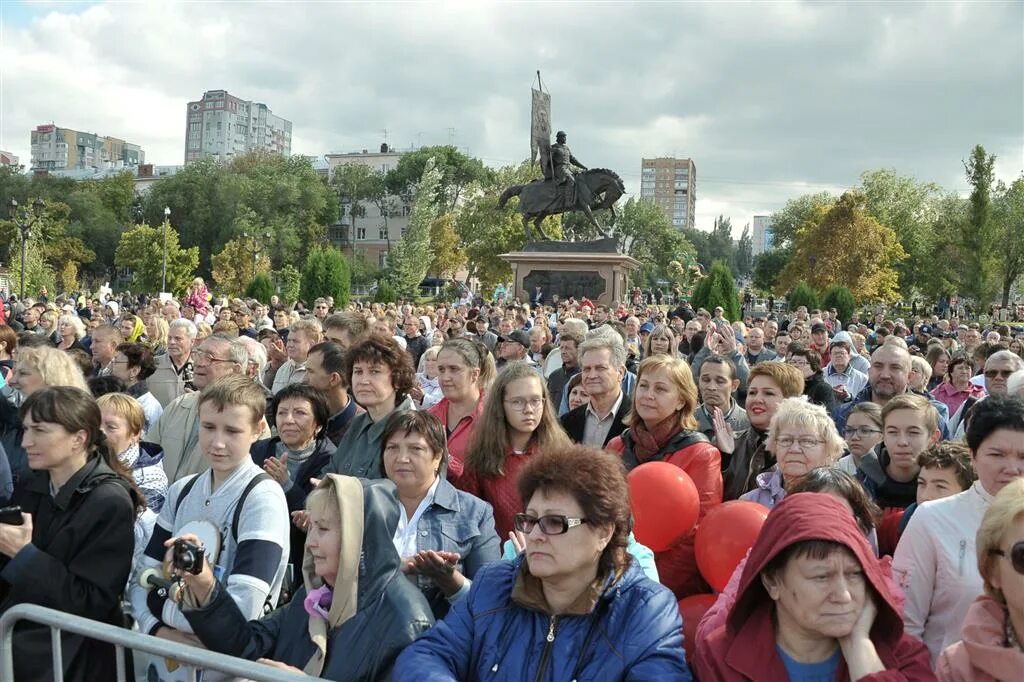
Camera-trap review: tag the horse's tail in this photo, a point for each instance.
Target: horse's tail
(510, 192)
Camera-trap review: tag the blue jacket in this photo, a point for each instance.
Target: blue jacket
(633, 633)
(456, 522)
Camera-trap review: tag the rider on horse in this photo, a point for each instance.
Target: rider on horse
(560, 167)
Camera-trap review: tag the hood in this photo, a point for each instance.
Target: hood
(813, 516)
(843, 336)
(149, 454)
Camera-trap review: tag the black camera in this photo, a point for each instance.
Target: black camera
(11, 516)
(188, 557)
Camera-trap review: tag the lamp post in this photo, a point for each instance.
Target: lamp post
(25, 222)
(167, 221)
(255, 249)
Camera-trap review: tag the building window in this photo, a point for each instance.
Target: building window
(382, 232)
(360, 233)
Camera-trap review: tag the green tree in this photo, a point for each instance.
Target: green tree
(745, 253)
(364, 271)
(260, 288)
(289, 281)
(444, 244)
(411, 257)
(1008, 219)
(357, 185)
(233, 266)
(141, 249)
(842, 300)
(48, 240)
(718, 289)
(768, 266)
(457, 172)
(803, 295)
(977, 235)
(384, 293)
(846, 247)
(645, 233)
(38, 274)
(797, 214)
(326, 274)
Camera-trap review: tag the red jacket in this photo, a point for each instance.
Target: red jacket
(744, 648)
(498, 491)
(677, 566)
(458, 439)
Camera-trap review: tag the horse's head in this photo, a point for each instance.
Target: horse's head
(605, 182)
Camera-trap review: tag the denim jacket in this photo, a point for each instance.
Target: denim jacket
(456, 522)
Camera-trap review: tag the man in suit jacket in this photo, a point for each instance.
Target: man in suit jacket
(603, 364)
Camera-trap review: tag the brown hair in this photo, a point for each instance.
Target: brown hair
(915, 403)
(596, 480)
(377, 348)
(421, 423)
(235, 389)
(126, 407)
(953, 455)
(788, 378)
(830, 479)
(476, 356)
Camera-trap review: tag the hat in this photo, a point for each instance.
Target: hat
(925, 329)
(646, 327)
(819, 327)
(518, 336)
(113, 306)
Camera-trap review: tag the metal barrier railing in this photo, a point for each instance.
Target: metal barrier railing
(122, 639)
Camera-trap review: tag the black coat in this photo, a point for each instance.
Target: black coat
(574, 421)
(390, 615)
(78, 563)
(819, 392)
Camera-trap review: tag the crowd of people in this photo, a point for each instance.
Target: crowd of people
(442, 492)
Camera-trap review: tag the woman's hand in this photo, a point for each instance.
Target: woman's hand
(277, 468)
(858, 650)
(518, 539)
(200, 585)
(416, 393)
(439, 567)
(725, 439)
(276, 353)
(300, 519)
(13, 538)
(279, 665)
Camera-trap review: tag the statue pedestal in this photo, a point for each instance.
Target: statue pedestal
(592, 269)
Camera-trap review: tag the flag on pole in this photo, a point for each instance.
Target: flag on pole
(540, 123)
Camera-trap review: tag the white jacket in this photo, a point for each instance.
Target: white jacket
(937, 566)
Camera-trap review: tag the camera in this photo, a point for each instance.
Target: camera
(11, 516)
(188, 557)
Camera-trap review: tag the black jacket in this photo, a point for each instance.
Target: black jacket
(574, 421)
(78, 562)
(390, 615)
(819, 392)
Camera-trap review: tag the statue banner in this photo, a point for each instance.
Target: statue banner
(540, 124)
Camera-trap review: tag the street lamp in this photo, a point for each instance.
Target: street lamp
(25, 223)
(167, 221)
(255, 249)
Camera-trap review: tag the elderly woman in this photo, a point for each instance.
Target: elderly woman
(802, 437)
(444, 535)
(379, 375)
(920, 375)
(574, 605)
(133, 364)
(465, 369)
(354, 613)
(932, 559)
(70, 329)
(661, 341)
(122, 424)
(991, 650)
(957, 387)
(426, 392)
(808, 361)
(744, 455)
(662, 428)
(813, 603)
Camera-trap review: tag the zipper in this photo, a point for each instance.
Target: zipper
(547, 648)
(963, 551)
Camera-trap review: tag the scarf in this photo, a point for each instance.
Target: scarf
(648, 441)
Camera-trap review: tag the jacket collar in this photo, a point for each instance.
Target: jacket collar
(528, 592)
(84, 479)
(446, 496)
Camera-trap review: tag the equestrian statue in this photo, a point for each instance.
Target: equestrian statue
(561, 190)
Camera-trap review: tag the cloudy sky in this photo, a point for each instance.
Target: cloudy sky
(770, 99)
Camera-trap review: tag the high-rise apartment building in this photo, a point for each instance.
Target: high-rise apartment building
(224, 126)
(672, 184)
(763, 236)
(56, 148)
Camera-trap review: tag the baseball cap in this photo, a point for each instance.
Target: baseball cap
(925, 329)
(518, 336)
(818, 327)
(646, 327)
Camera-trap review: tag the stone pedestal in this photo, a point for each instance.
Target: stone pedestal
(592, 269)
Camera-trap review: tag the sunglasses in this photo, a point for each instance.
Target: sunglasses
(1016, 556)
(551, 524)
(1001, 373)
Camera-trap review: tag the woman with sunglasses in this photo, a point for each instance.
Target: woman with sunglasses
(934, 560)
(574, 605)
(991, 647)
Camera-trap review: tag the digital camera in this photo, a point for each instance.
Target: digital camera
(188, 557)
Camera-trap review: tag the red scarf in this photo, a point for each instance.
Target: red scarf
(648, 441)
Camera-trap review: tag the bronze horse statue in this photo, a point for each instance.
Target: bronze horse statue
(539, 199)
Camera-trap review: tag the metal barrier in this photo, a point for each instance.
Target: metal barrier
(123, 638)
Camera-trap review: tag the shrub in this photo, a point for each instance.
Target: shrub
(260, 288)
(803, 294)
(385, 292)
(718, 289)
(842, 300)
(326, 274)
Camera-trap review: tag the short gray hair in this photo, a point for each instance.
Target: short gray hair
(188, 325)
(1015, 384)
(1006, 356)
(575, 324)
(603, 341)
(256, 352)
(237, 352)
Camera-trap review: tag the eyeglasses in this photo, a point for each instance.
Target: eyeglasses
(860, 432)
(519, 404)
(805, 442)
(551, 524)
(1001, 373)
(206, 356)
(798, 363)
(1015, 555)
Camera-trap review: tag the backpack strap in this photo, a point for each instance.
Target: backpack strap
(236, 519)
(186, 489)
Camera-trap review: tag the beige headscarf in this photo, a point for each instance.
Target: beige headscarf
(348, 492)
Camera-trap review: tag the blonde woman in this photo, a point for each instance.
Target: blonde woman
(801, 436)
(43, 366)
(157, 330)
(70, 330)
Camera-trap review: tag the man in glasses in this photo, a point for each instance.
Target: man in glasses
(935, 560)
(998, 368)
(177, 429)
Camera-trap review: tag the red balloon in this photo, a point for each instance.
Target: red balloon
(724, 537)
(665, 504)
(692, 609)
